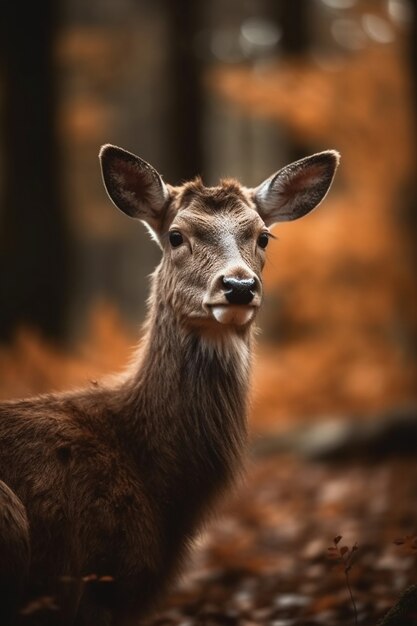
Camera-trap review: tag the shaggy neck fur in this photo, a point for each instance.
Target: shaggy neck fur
(188, 397)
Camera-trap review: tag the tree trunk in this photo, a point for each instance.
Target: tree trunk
(185, 123)
(409, 213)
(33, 234)
(294, 19)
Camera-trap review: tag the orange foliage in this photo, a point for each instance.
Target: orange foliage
(340, 291)
(31, 366)
(340, 282)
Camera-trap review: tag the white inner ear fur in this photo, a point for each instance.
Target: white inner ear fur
(157, 193)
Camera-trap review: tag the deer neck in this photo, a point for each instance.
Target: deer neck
(188, 399)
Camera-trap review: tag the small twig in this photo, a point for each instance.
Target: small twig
(355, 612)
(345, 555)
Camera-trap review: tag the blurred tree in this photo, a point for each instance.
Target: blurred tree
(185, 125)
(294, 18)
(412, 56)
(33, 234)
(413, 48)
(411, 225)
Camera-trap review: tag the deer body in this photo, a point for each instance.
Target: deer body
(97, 461)
(113, 481)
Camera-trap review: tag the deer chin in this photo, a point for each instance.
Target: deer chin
(238, 315)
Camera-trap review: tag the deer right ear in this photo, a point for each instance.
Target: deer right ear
(133, 185)
(296, 189)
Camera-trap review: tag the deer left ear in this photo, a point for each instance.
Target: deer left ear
(296, 189)
(134, 186)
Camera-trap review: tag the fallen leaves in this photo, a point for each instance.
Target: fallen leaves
(264, 560)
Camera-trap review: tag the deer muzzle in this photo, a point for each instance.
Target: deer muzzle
(239, 290)
(234, 299)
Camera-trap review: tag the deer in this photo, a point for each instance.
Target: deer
(102, 489)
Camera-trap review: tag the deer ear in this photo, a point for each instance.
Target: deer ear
(297, 188)
(133, 185)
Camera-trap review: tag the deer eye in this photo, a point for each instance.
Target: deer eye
(175, 238)
(263, 240)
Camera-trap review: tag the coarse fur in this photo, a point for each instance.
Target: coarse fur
(104, 488)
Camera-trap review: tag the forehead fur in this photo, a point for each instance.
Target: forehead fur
(212, 198)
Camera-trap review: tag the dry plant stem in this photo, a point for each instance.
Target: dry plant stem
(344, 555)
(355, 612)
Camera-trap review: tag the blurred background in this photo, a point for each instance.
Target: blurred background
(235, 88)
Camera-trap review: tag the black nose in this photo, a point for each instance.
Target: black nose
(239, 290)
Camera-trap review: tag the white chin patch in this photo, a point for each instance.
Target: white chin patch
(229, 314)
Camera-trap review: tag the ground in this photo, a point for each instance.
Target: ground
(265, 559)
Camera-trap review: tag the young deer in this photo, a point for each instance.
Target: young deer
(113, 481)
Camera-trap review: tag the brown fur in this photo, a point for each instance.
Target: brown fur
(113, 481)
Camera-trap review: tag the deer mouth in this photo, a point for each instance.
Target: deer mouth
(236, 314)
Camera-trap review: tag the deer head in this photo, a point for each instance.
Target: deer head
(213, 239)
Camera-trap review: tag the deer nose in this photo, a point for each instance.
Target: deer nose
(239, 290)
